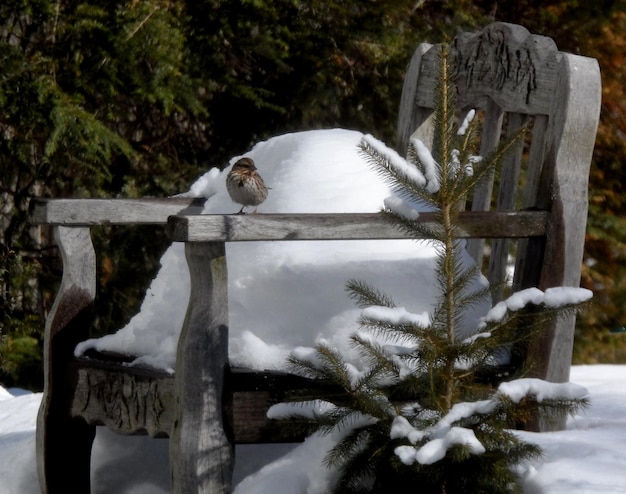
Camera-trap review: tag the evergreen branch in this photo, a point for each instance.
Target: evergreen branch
(462, 157)
(305, 368)
(383, 368)
(334, 368)
(492, 163)
(528, 407)
(326, 365)
(468, 137)
(471, 298)
(137, 28)
(358, 473)
(444, 117)
(518, 325)
(401, 333)
(72, 122)
(466, 296)
(366, 295)
(351, 444)
(408, 182)
(414, 228)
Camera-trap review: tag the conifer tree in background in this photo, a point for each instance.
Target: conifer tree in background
(136, 97)
(95, 101)
(419, 412)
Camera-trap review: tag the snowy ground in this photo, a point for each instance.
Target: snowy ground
(318, 171)
(587, 458)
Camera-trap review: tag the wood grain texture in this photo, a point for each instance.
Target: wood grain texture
(573, 132)
(125, 401)
(64, 444)
(508, 192)
(201, 447)
(139, 400)
(111, 211)
(503, 63)
(410, 117)
(353, 226)
(482, 196)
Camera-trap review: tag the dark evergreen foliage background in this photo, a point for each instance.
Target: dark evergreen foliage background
(139, 97)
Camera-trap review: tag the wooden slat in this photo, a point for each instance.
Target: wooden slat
(411, 117)
(127, 401)
(352, 226)
(528, 264)
(138, 400)
(509, 178)
(536, 158)
(507, 195)
(78, 212)
(481, 200)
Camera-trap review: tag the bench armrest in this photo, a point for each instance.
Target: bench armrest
(87, 212)
(346, 226)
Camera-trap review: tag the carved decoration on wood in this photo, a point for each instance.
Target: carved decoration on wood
(128, 404)
(490, 61)
(504, 63)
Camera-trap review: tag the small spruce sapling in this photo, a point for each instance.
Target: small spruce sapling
(419, 412)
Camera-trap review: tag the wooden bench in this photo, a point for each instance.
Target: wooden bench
(206, 407)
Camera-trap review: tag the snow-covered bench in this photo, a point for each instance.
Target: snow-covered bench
(205, 406)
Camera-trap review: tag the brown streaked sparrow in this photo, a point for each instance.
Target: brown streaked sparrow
(244, 184)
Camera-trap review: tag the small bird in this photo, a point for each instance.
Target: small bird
(244, 184)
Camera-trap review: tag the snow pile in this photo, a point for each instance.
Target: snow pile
(309, 172)
(553, 298)
(445, 434)
(541, 390)
(586, 458)
(435, 449)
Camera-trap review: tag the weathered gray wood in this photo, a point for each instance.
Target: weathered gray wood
(529, 256)
(352, 226)
(503, 63)
(201, 448)
(481, 199)
(507, 194)
(410, 116)
(137, 400)
(572, 133)
(536, 159)
(63, 443)
(125, 401)
(255, 391)
(111, 211)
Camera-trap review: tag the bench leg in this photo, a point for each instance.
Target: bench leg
(63, 452)
(64, 443)
(201, 442)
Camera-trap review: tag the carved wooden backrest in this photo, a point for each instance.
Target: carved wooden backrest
(514, 78)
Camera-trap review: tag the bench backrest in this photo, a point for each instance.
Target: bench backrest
(514, 79)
